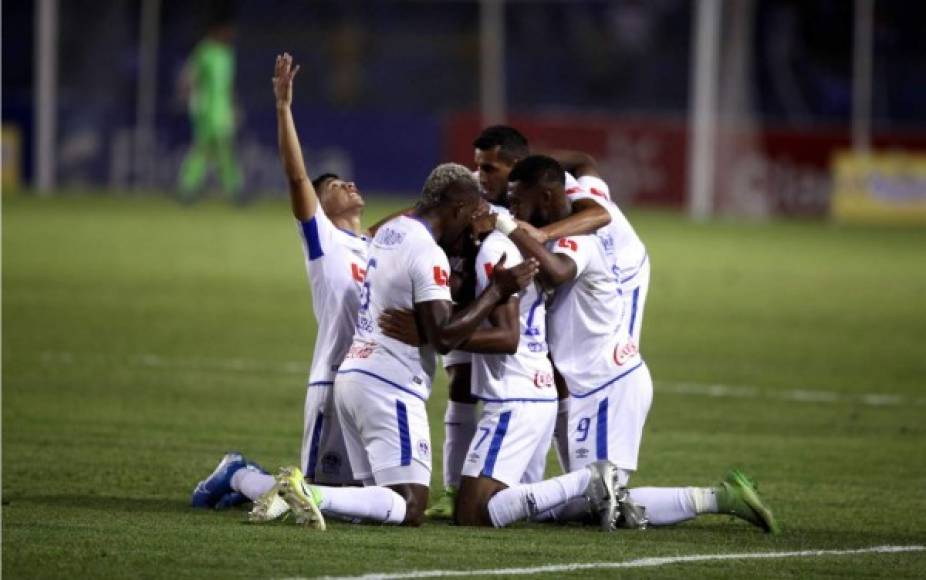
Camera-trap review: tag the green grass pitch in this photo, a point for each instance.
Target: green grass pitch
(141, 340)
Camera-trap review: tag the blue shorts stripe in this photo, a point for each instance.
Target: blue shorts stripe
(496, 444)
(312, 240)
(633, 309)
(601, 431)
(405, 440)
(313, 445)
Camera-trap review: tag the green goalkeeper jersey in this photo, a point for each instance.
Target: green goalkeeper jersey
(212, 67)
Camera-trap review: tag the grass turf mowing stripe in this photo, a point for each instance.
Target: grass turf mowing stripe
(651, 562)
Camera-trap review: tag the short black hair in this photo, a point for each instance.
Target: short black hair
(510, 142)
(321, 180)
(538, 169)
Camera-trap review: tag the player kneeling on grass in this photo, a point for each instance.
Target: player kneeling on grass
(591, 343)
(382, 385)
(513, 377)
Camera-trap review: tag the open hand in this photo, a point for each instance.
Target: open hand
(512, 280)
(400, 325)
(283, 74)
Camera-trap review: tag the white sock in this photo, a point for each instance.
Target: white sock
(561, 434)
(372, 504)
(526, 501)
(671, 505)
(251, 483)
(460, 422)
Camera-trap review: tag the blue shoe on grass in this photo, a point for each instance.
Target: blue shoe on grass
(215, 491)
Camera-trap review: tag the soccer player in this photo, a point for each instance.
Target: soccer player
(496, 150)
(382, 385)
(593, 348)
(209, 78)
(328, 210)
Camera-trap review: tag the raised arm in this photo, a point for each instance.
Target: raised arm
(446, 331)
(301, 193)
(587, 217)
(577, 163)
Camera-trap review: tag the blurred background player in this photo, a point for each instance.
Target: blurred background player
(208, 82)
(590, 341)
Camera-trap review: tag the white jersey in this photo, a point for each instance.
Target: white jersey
(405, 267)
(630, 251)
(586, 316)
(336, 263)
(526, 375)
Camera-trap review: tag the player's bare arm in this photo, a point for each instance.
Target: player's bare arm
(301, 193)
(446, 330)
(501, 338)
(555, 269)
(587, 217)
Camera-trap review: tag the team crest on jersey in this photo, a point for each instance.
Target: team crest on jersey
(360, 350)
(625, 352)
(331, 463)
(424, 449)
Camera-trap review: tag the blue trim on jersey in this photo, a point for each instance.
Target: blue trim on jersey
(516, 400)
(385, 380)
(313, 445)
(321, 384)
(405, 440)
(500, 430)
(312, 241)
(601, 431)
(638, 269)
(633, 308)
(607, 384)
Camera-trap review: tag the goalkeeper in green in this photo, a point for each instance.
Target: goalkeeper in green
(208, 81)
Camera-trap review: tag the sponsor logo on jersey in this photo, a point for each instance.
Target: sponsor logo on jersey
(543, 380)
(360, 350)
(489, 267)
(625, 352)
(441, 277)
(357, 273)
(598, 192)
(389, 237)
(473, 458)
(581, 453)
(568, 244)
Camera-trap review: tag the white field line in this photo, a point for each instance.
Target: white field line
(638, 563)
(243, 365)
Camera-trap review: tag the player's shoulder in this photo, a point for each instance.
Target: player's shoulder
(496, 243)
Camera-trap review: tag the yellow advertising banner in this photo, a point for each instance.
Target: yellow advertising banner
(887, 188)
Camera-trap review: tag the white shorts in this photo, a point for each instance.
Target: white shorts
(457, 357)
(608, 423)
(508, 437)
(385, 430)
(324, 454)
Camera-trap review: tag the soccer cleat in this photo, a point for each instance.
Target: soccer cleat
(210, 491)
(230, 500)
(302, 498)
(630, 515)
(601, 494)
(443, 507)
(739, 496)
(269, 507)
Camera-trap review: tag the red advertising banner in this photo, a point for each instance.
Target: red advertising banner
(644, 160)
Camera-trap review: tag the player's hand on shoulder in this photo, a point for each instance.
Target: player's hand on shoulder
(536, 234)
(510, 281)
(283, 74)
(400, 325)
